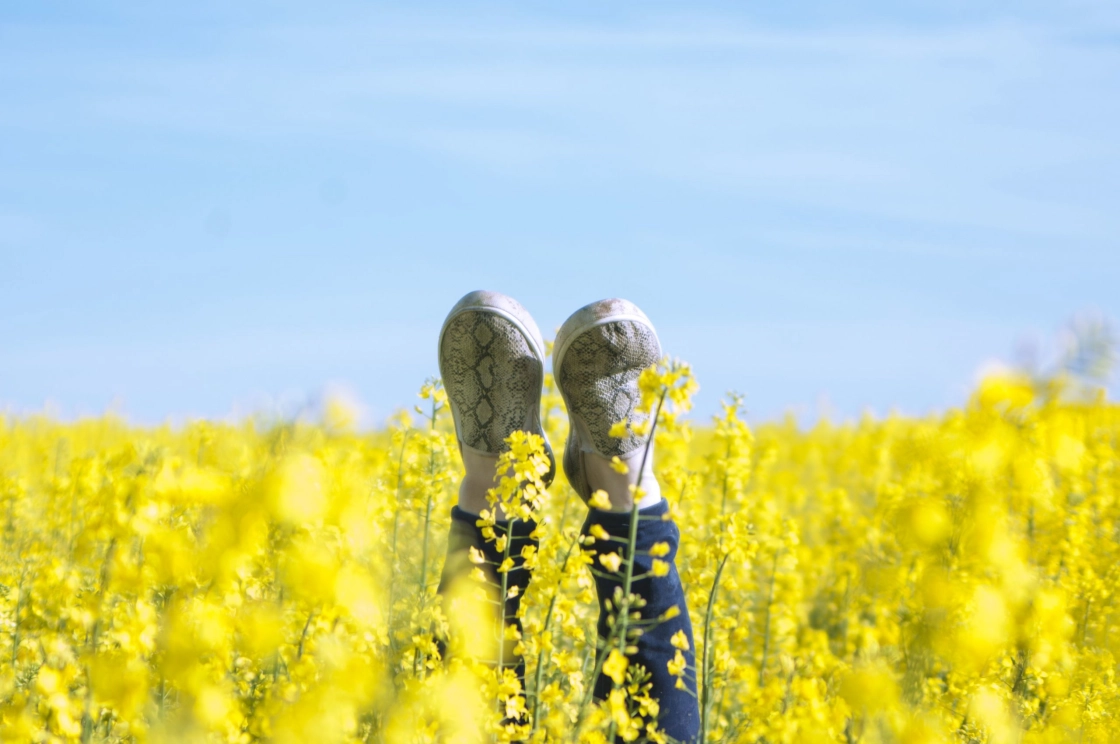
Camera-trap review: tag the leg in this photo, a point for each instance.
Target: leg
(491, 359)
(599, 353)
(464, 535)
(679, 713)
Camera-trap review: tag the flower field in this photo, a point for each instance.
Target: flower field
(944, 579)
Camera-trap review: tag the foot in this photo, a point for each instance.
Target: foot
(491, 359)
(599, 353)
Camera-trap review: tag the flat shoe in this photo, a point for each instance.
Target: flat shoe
(599, 353)
(491, 359)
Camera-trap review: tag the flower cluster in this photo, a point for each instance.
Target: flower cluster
(943, 579)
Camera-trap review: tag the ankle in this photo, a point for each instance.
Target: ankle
(479, 478)
(601, 475)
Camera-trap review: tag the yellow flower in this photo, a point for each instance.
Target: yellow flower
(615, 666)
(611, 561)
(600, 500)
(279, 582)
(677, 665)
(298, 489)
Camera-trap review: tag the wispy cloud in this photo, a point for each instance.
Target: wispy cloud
(716, 104)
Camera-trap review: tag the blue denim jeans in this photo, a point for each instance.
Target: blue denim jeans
(679, 711)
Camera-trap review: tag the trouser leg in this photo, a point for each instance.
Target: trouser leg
(464, 535)
(679, 715)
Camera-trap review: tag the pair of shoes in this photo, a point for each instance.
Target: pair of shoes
(492, 357)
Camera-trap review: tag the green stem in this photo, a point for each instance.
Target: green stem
(502, 601)
(395, 553)
(547, 626)
(631, 547)
(16, 639)
(726, 466)
(303, 634)
(418, 656)
(600, 659)
(705, 693)
(621, 625)
(766, 629)
(632, 539)
(106, 568)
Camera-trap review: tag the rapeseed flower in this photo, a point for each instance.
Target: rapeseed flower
(950, 578)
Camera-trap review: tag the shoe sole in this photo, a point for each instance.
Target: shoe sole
(614, 341)
(493, 371)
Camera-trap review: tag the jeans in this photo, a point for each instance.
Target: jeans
(679, 715)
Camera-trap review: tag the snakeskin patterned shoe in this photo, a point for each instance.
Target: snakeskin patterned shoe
(491, 359)
(599, 353)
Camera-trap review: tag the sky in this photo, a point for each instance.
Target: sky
(214, 209)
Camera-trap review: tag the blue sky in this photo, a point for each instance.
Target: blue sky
(211, 207)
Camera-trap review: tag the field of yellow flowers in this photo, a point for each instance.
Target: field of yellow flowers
(944, 579)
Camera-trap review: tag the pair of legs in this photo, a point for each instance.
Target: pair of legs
(491, 358)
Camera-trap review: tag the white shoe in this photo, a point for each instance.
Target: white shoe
(599, 353)
(491, 359)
